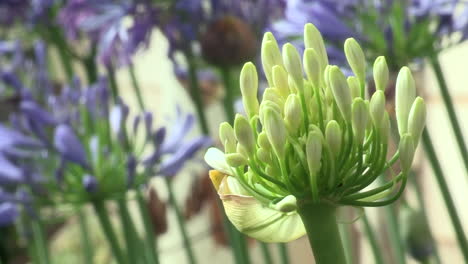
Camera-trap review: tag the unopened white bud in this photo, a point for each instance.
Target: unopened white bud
(314, 151)
(341, 91)
(270, 55)
(276, 131)
(356, 59)
(381, 73)
(333, 137)
(292, 63)
(235, 159)
(377, 107)
(360, 119)
(227, 137)
(406, 149)
(244, 134)
(354, 86)
(417, 119)
(404, 98)
(293, 113)
(280, 80)
(249, 88)
(313, 39)
(312, 66)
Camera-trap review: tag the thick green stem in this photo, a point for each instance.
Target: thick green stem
(459, 232)
(284, 256)
(85, 240)
(195, 93)
(40, 241)
(422, 207)
(108, 230)
(449, 105)
(378, 258)
(229, 99)
(113, 83)
(347, 243)
(136, 86)
(394, 234)
(322, 229)
(181, 223)
(132, 241)
(266, 253)
(150, 237)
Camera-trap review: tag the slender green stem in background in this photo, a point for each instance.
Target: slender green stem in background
(378, 258)
(459, 232)
(84, 232)
(136, 86)
(394, 234)
(229, 88)
(422, 207)
(322, 229)
(40, 241)
(90, 66)
(132, 241)
(108, 230)
(266, 253)
(62, 47)
(347, 244)
(283, 249)
(449, 105)
(150, 236)
(181, 222)
(113, 82)
(195, 93)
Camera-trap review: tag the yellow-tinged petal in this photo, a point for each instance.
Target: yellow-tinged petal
(216, 178)
(255, 219)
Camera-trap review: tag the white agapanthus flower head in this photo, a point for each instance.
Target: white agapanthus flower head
(315, 137)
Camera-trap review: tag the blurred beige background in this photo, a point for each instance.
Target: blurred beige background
(162, 92)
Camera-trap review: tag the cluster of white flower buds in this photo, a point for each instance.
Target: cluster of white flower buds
(317, 134)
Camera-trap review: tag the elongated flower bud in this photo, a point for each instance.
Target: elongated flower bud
(271, 56)
(263, 155)
(360, 119)
(314, 151)
(404, 98)
(268, 104)
(333, 137)
(406, 149)
(354, 86)
(355, 58)
(235, 160)
(263, 141)
(249, 88)
(312, 66)
(280, 80)
(273, 95)
(227, 137)
(381, 73)
(417, 119)
(313, 39)
(292, 63)
(293, 113)
(377, 108)
(244, 134)
(340, 90)
(276, 131)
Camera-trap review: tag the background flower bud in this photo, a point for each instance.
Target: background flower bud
(249, 88)
(381, 73)
(417, 119)
(356, 59)
(293, 113)
(227, 137)
(360, 119)
(270, 55)
(276, 131)
(280, 81)
(313, 39)
(341, 91)
(404, 98)
(264, 155)
(235, 160)
(354, 86)
(244, 134)
(406, 149)
(312, 66)
(333, 137)
(377, 107)
(292, 63)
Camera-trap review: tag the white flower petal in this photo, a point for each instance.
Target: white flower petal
(253, 218)
(215, 158)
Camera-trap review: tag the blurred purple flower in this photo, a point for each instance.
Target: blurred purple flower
(8, 213)
(104, 23)
(69, 146)
(90, 183)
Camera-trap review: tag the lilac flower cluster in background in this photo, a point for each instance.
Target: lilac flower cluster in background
(70, 143)
(402, 30)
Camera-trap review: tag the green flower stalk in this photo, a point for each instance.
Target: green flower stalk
(312, 145)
